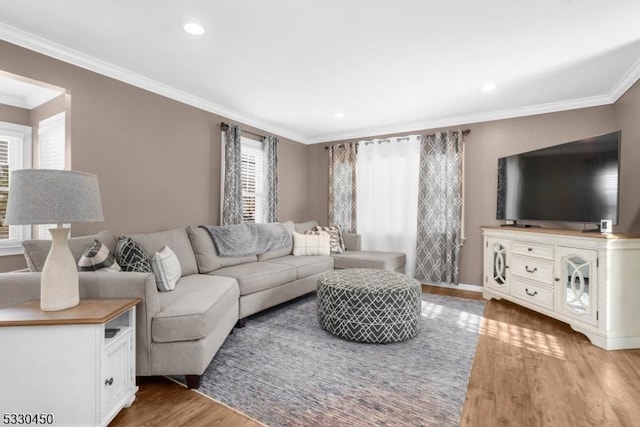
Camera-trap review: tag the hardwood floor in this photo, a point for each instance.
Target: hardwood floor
(529, 370)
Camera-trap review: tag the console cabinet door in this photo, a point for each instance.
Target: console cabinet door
(496, 267)
(576, 283)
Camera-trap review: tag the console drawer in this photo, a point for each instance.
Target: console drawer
(532, 269)
(538, 250)
(536, 294)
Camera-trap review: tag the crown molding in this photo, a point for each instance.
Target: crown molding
(46, 47)
(462, 120)
(60, 52)
(627, 80)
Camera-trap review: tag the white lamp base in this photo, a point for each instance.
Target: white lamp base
(59, 280)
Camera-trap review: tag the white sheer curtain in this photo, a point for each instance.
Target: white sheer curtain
(387, 202)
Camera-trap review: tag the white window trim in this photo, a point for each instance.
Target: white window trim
(20, 136)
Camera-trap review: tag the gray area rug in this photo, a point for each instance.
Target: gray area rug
(283, 370)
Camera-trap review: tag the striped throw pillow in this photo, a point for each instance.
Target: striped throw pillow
(97, 257)
(336, 242)
(166, 269)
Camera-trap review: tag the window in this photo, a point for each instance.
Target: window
(51, 155)
(252, 181)
(15, 153)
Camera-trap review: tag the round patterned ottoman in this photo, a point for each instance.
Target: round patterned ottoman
(373, 306)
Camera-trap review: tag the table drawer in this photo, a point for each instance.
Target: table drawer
(536, 294)
(532, 269)
(538, 250)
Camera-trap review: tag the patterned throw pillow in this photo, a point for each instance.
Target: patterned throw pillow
(166, 268)
(98, 258)
(131, 256)
(311, 243)
(335, 234)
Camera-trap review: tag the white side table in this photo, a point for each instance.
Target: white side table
(74, 367)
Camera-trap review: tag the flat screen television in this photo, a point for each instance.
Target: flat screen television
(573, 182)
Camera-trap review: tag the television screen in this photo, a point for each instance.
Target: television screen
(574, 182)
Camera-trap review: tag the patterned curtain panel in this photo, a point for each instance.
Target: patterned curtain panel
(439, 208)
(342, 186)
(270, 148)
(232, 194)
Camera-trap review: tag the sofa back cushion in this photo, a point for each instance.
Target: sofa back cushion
(206, 254)
(278, 253)
(36, 251)
(301, 227)
(177, 240)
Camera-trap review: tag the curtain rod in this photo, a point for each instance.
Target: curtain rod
(225, 126)
(464, 132)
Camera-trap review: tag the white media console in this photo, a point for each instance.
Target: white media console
(589, 280)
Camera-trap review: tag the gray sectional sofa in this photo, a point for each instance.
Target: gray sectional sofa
(179, 332)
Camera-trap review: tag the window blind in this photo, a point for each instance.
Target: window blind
(252, 180)
(51, 153)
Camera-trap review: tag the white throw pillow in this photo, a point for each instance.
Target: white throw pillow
(166, 268)
(311, 244)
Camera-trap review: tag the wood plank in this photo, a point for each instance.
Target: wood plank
(529, 370)
(88, 311)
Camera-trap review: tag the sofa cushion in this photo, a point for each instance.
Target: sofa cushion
(192, 310)
(177, 240)
(256, 276)
(36, 251)
(369, 259)
(276, 253)
(206, 254)
(301, 227)
(306, 265)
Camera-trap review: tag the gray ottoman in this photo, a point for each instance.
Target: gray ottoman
(366, 305)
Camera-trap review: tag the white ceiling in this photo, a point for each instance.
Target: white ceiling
(390, 66)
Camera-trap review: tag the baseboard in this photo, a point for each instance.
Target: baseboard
(461, 286)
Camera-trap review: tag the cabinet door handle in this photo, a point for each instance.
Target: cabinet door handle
(109, 381)
(526, 267)
(531, 294)
(557, 279)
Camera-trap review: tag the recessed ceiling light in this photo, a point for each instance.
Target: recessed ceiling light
(339, 115)
(193, 28)
(488, 87)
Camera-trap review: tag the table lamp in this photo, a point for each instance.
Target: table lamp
(43, 196)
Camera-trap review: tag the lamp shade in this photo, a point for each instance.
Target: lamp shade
(44, 196)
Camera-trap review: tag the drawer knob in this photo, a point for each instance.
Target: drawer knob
(557, 279)
(109, 381)
(531, 294)
(530, 270)
(530, 249)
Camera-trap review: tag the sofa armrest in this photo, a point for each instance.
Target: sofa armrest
(352, 241)
(19, 287)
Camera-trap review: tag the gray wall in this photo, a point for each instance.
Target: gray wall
(11, 114)
(158, 160)
(490, 140)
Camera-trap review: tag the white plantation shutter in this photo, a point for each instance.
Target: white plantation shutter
(252, 181)
(15, 153)
(4, 185)
(51, 142)
(51, 154)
